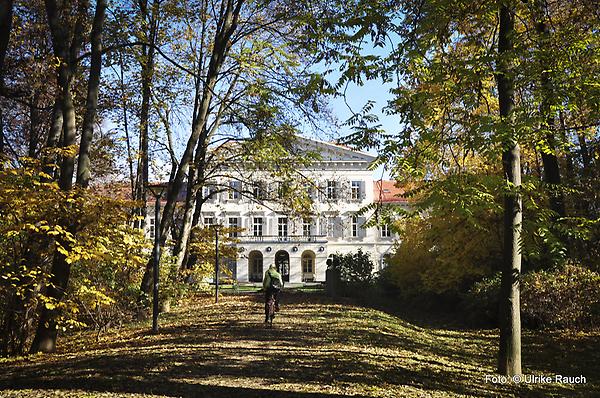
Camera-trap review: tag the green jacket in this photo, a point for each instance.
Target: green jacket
(271, 273)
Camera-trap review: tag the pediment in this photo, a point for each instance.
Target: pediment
(331, 152)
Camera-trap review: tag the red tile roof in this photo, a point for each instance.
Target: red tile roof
(387, 192)
(114, 189)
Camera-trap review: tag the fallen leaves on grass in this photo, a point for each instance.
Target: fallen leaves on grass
(317, 348)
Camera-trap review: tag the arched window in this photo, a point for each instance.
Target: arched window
(308, 266)
(282, 261)
(255, 266)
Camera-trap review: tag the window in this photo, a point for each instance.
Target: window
(282, 226)
(310, 191)
(331, 226)
(306, 227)
(282, 190)
(257, 226)
(233, 223)
(385, 231)
(331, 190)
(208, 221)
(307, 264)
(354, 226)
(235, 188)
(259, 190)
(229, 268)
(355, 190)
(152, 228)
(209, 192)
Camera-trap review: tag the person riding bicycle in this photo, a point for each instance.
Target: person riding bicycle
(272, 283)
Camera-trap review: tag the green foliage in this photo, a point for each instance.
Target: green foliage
(560, 298)
(356, 269)
(440, 60)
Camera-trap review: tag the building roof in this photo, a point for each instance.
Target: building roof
(114, 189)
(387, 192)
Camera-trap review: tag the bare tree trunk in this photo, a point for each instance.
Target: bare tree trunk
(181, 247)
(509, 356)
(83, 166)
(126, 124)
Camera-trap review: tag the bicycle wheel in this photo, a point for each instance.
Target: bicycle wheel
(271, 307)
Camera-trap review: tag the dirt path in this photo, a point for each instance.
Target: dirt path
(317, 348)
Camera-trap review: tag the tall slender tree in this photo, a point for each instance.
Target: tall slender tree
(509, 358)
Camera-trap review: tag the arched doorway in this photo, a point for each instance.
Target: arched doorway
(282, 261)
(255, 266)
(308, 266)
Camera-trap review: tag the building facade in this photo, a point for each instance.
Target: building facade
(341, 184)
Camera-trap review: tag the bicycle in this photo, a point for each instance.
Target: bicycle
(271, 310)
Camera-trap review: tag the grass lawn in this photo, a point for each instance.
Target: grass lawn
(317, 347)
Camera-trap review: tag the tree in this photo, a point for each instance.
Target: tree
(459, 101)
(242, 71)
(509, 357)
(67, 40)
(6, 11)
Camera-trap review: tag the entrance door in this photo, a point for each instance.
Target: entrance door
(282, 262)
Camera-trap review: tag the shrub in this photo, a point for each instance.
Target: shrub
(105, 255)
(355, 272)
(562, 298)
(355, 267)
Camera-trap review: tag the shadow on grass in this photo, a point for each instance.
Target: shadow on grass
(164, 387)
(225, 351)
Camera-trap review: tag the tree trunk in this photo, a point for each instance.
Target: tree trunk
(69, 135)
(551, 174)
(67, 51)
(34, 125)
(6, 14)
(509, 356)
(54, 135)
(181, 246)
(585, 154)
(147, 67)
(189, 260)
(1, 139)
(195, 176)
(45, 336)
(83, 165)
(227, 26)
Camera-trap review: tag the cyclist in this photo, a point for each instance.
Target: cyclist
(272, 283)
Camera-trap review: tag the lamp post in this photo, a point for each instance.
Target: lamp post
(216, 228)
(157, 191)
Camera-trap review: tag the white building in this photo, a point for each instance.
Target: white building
(341, 186)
